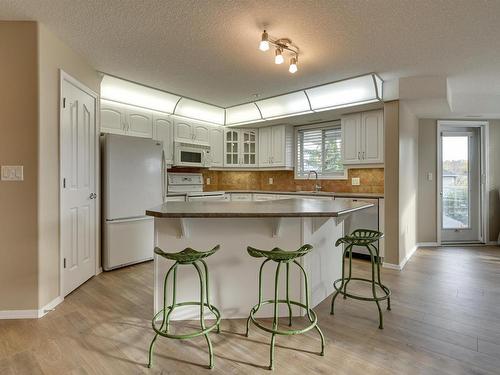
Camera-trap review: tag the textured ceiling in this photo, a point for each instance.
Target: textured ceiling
(208, 49)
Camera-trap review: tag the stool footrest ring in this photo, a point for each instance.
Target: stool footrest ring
(284, 332)
(386, 290)
(190, 335)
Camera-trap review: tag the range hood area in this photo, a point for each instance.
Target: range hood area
(359, 90)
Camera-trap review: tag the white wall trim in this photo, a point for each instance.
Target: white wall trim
(427, 244)
(31, 314)
(403, 263)
(391, 266)
(63, 76)
(484, 177)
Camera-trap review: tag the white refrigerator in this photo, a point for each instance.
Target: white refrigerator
(132, 181)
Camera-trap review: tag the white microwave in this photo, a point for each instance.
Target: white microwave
(191, 155)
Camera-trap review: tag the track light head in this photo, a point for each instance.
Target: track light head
(264, 42)
(278, 58)
(293, 65)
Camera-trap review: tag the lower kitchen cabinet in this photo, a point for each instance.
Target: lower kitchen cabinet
(241, 197)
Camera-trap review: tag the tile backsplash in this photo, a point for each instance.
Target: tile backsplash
(371, 181)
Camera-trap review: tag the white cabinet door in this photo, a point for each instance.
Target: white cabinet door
(351, 138)
(372, 137)
(216, 138)
(278, 146)
(163, 130)
(248, 147)
(231, 148)
(200, 134)
(183, 131)
(265, 142)
(139, 123)
(112, 118)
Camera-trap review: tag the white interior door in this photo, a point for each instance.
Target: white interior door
(460, 171)
(78, 185)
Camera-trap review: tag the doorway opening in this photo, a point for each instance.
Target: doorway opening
(461, 182)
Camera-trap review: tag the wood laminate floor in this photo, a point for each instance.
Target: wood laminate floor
(445, 320)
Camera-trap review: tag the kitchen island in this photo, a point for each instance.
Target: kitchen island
(286, 223)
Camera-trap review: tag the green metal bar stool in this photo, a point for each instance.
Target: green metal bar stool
(186, 257)
(283, 257)
(366, 238)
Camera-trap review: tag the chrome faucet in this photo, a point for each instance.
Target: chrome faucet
(317, 186)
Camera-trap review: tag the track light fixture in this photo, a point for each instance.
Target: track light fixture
(282, 45)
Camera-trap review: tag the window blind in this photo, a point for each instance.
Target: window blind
(319, 149)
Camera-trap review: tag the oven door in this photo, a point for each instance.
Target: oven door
(189, 157)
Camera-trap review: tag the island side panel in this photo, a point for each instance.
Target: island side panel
(233, 273)
(323, 265)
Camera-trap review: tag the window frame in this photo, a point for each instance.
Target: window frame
(322, 125)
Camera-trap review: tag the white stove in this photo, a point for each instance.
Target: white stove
(192, 185)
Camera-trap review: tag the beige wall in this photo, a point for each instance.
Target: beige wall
(408, 180)
(494, 174)
(391, 181)
(427, 222)
(18, 146)
(427, 156)
(53, 55)
(30, 59)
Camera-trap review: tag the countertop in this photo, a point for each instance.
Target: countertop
(277, 208)
(320, 194)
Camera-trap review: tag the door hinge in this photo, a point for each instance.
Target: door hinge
(64, 262)
(64, 102)
(64, 183)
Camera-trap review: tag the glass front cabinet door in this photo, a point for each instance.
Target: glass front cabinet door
(249, 148)
(231, 148)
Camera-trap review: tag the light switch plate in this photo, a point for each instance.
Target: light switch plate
(208, 181)
(355, 181)
(271, 181)
(429, 176)
(12, 173)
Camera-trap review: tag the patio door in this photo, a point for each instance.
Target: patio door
(460, 185)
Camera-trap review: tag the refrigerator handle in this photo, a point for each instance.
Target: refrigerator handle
(163, 175)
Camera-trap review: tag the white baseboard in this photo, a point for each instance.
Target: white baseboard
(391, 266)
(402, 264)
(427, 244)
(31, 314)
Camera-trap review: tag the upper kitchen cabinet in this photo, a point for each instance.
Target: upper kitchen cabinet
(191, 132)
(240, 148)
(276, 146)
(112, 118)
(216, 139)
(126, 120)
(139, 123)
(163, 130)
(363, 138)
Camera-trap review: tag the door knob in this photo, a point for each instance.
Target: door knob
(93, 196)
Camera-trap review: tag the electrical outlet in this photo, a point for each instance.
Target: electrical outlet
(12, 173)
(355, 181)
(208, 181)
(271, 180)
(429, 176)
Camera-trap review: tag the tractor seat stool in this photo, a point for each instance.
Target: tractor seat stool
(186, 257)
(283, 257)
(365, 238)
